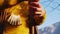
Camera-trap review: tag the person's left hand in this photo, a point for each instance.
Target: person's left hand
(14, 19)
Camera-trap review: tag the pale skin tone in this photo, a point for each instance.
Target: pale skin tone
(13, 2)
(36, 6)
(37, 11)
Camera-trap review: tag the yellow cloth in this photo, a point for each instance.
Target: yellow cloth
(22, 10)
(19, 9)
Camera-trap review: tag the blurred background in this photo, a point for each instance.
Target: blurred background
(52, 22)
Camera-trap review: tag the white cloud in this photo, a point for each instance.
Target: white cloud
(45, 33)
(52, 28)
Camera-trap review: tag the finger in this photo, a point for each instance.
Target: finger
(35, 4)
(10, 21)
(9, 18)
(37, 12)
(32, 8)
(19, 21)
(8, 13)
(13, 21)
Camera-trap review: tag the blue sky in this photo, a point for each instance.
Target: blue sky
(52, 8)
(51, 29)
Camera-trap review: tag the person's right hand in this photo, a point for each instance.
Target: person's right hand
(37, 11)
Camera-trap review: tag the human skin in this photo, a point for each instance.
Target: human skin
(37, 13)
(35, 6)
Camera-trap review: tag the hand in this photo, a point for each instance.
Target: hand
(37, 12)
(14, 19)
